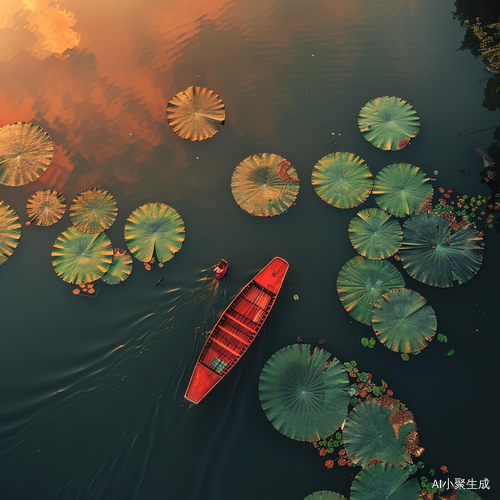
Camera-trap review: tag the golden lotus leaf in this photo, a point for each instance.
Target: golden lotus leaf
(26, 151)
(93, 211)
(80, 257)
(46, 207)
(196, 113)
(10, 231)
(265, 184)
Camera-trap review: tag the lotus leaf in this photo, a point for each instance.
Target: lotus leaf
(325, 495)
(369, 434)
(120, 269)
(400, 188)
(196, 113)
(10, 231)
(402, 320)
(362, 281)
(382, 481)
(154, 228)
(26, 151)
(93, 210)
(46, 207)
(304, 396)
(342, 179)
(80, 257)
(388, 123)
(375, 234)
(436, 255)
(259, 190)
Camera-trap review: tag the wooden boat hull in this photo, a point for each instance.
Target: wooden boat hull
(236, 329)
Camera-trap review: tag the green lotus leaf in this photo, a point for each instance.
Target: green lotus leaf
(325, 495)
(402, 320)
(80, 257)
(26, 151)
(196, 113)
(438, 256)
(375, 234)
(400, 188)
(304, 396)
(46, 207)
(120, 269)
(382, 481)
(10, 231)
(362, 281)
(460, 494)
(342, 179)
(154, 228)
(260, 188)
(93, 210)
(388, 123)
(368, 434)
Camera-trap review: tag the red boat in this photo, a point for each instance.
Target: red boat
(236, 329)
(220, 269)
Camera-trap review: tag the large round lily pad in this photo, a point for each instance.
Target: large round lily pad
(262, 187)
(369, 435)
(46, 207)
(362, 281)
(154, 228)
(403, 321)
(342, 179)
(382, 481)
(93, 210)
(389, 123)
(304, 396)
(400, 188)
(438, 256)
(120, 269)
(196, 113)
(375, 234)
(26, 151)
(10, 231)
(80, 257)
(325, 495)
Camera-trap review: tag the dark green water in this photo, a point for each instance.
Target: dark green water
(92, 391)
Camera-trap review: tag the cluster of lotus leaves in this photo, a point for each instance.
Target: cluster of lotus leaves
(436, 255)
(403, 321)
(400, 188)
(259, 189)
(79, 257)
(46, 207)
(305, 396)
(383, 481)
(342, 179)
(196, 113)
(93, 210)
(10, 231)
(154, 228)
(26, 151)
(120, 269)
(389, 123)
(374, 234)
(361, 282)
(325, 495)
(368, 434)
